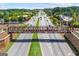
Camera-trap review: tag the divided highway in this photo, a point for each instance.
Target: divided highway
(47, 48)
(52, 48)
(22, 48)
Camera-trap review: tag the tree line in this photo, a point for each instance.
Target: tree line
(16, 14)
(72, 12)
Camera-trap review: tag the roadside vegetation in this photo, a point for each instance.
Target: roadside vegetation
(55, 20)
(35, 49)
(17, 15)
(72, 12)
(15, 36)
(74, 23)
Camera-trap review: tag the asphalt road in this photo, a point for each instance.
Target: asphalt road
(53, 48)
(47, 48)
(22, 48)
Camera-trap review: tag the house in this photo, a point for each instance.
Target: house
(65, 19)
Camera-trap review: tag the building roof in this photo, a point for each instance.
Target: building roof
(65, 18)
(25, 15)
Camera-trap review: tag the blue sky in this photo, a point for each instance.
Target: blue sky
(35, 5)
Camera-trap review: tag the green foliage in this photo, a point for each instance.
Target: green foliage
(75, 23)
(35, 49)
(72, 11)
(55, 20)
(68, 11)
(12, 14)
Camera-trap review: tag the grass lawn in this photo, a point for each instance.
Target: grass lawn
(35, 47)
(37, 24)
(23, 25)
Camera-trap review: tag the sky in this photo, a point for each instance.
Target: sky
(35, 5)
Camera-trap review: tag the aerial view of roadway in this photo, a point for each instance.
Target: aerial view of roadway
(39, 29)
(47, 48)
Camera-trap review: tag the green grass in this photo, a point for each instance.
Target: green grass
(10, 44)
(37, 24)
(35, 36)
(35, 49)
(23, 25)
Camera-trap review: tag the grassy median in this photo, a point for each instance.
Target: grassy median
(35, 49)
